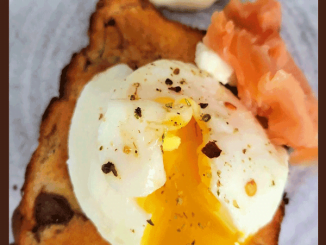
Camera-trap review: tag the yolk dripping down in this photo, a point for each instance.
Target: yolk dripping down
(184, 210)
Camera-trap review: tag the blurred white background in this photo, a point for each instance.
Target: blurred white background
(44, 35)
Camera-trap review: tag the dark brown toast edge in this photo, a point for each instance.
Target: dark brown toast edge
(121, 31)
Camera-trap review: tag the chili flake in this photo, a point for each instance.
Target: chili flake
(176, 71)
(230, 106)
(251, 188)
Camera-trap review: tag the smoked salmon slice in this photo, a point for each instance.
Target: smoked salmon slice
(270, 84)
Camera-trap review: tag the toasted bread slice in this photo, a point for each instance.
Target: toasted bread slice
(121, 31)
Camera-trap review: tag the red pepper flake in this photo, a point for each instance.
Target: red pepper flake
(244, 151)
(203, 105)
(176, 89)
(109, 167)
(149, 221)
(251, 188)
(176, 71)
(211, 150)
(168, 81)
(138, 112)
(230, 106)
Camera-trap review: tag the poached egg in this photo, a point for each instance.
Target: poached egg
(166, 154)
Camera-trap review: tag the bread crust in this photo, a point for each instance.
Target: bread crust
(121, 31)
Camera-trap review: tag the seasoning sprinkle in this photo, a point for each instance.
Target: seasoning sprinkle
(235, 204)
(132, 97)
(211, 150)
(219, 173)
(203, 105)
(168, 81)
(159, 90)
(176, 89)
(179, 201)
(251, 188)
(219, 183)
(200, 225)
(126, 149)
(101, 148)
(206, 117)
(138, 112)
(188, 103)
(230, 106)
(169, 105)
(100, 117)
(109, 167)
(176, 71)
(149, 221)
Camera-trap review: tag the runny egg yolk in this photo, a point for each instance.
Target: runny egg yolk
(184, 211)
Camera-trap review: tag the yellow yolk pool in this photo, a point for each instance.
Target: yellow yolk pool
(184, 211)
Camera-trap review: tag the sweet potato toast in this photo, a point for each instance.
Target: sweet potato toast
(121, 31)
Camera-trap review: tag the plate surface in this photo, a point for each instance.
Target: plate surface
(43, 36)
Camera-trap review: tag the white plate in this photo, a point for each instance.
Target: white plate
(43, 36)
